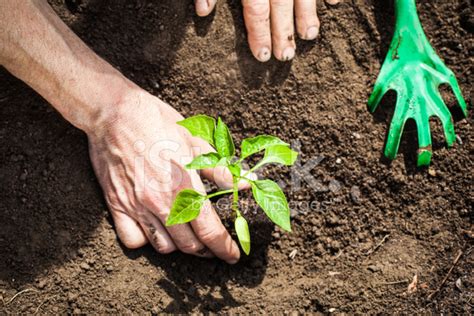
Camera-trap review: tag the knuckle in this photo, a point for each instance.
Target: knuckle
(165, 249)
(212, 235)
(259, 38)
(279, 3)
(132, 243)
(257, 9)
(147, 198)
(190, 248)
(306, 16)
(161, 245)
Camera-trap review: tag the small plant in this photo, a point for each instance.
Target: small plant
(266, 193)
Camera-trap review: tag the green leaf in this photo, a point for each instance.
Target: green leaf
(242, 230)
(272, 200)
(235, 169)
(186, 207)
(223, 140)
(253, 145)
(209, 160)
(201, 126)
(281, 154)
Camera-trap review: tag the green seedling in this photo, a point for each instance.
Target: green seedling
(267, 193)
(415, 72)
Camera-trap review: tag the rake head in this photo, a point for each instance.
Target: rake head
(414, 70)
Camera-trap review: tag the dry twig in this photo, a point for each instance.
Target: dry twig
(455, 261)
(371, 251)
(17, 294)
(394, 282)
(39, 306)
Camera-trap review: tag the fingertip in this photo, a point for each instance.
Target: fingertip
(132, 242)
(245, 184)
(311, 33)
(333, 2)
(219, 175)
(235, 254)
(264, 55)
(204, 7)
(129, 231)
(287, 54)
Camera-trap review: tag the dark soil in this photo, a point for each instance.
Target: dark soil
(373, 225)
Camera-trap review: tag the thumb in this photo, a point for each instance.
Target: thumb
(204, 7)
(219, 175)
(223, 177)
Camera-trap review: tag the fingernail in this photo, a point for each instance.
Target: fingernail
(288, 53)
(201, 6)
(264, 54)
(312, 32)
(234, 261)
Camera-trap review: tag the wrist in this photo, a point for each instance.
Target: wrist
(113, 102)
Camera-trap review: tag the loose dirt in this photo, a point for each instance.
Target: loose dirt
(363, 228)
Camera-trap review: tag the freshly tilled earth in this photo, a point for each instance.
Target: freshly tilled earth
(363, 227)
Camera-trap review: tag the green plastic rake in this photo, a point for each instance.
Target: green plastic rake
(413, 69)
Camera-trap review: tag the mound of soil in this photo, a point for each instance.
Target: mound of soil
(363, 228)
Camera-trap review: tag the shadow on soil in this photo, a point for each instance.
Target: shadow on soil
(255, 73)
(194, 282)
(50, 203)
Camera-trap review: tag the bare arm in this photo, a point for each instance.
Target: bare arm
(136, 147)
(37, 47)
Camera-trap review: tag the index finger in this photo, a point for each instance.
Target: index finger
(210, 230)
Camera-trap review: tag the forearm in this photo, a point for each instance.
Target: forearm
(37, 47)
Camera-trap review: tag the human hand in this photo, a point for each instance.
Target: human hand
(138, 159)
(270, 24)
(136, 148)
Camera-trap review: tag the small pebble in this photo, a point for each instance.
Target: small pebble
(155, 310)
(71, 297)
(338, 160)
(85, 266)
(334, 186)
(373, 268)
(432, 172)
(355, 194)
(41, 284)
